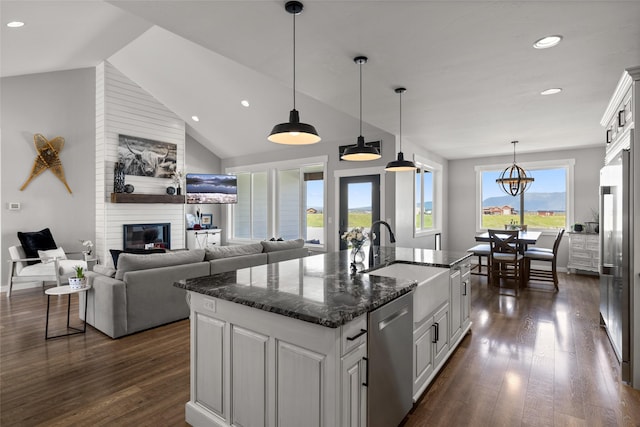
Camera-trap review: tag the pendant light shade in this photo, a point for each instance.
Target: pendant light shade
(360, 152)
(294, 132)
(514, 180)
(400, 164)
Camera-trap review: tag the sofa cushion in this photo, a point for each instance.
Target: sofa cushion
(48, 256)
(286, 254)
(280, 246)
(104, 270)
(34, 241)
(134, 262)
(222, 265)
(218, 252)
(115, 253)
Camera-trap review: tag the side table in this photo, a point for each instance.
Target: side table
(66, 290)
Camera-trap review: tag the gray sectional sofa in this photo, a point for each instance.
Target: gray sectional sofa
(139, 294)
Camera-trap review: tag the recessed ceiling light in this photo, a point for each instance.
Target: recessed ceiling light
(195, 118)
(551, 91)
(15, 24)
(547, 42)
(244, 103)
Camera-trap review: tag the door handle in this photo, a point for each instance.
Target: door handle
(366, 372)
(464, 288)
(435, 333)
(358, 335)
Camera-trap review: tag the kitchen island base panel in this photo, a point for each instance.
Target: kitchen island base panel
(250, 365)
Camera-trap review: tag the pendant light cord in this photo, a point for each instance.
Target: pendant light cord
(294, 61)
(401, 122)
(360, 98)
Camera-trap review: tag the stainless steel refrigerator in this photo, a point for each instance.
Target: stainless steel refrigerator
(616, 240)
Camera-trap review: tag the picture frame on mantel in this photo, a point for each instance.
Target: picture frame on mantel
(206, 220)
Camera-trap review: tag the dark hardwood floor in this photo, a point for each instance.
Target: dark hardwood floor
(538, 360)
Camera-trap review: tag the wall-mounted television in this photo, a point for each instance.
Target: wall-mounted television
(211, 188)
(147, 236)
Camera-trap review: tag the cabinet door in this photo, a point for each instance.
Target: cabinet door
(249, 373)
(466, 299)
(423, 344)
(299, 386)
(354, 390)
(441, 345)
(455, 284)
(209, 348)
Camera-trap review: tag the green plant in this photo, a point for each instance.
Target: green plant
(79, 271)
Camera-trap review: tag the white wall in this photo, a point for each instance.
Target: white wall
(123, 107)
(52, 104)
(462, 200)
(200, 160)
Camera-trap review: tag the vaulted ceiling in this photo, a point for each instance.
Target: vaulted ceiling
(473, 77)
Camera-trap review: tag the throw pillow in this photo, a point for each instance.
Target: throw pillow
(218, 252)
(48, 256)
(115, 253)
(280, 246)
(35, 241)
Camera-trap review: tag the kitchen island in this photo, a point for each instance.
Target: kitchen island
(286, 343)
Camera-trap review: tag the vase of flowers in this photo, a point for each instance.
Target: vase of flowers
(356, 237)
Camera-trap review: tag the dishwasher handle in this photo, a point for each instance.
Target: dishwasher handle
(393, 317)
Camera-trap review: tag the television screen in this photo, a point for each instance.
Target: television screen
(211, 188)
(147, 236)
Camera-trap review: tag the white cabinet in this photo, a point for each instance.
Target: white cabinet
(202, 239)
(459, 282)
(618, 119)
(584, 252)
(430, 347)
(250, 367)
(354, 387)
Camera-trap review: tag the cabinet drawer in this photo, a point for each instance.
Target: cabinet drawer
(577, 241)
(593, 245)
(353, 334)
(582, 262)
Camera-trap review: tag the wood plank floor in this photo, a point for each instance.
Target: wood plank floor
(538, 360)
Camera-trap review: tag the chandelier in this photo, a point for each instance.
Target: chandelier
(514, 180)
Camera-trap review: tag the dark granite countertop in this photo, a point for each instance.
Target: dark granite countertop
(320, 289)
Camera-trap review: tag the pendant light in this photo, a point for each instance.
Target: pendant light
(514, 180)
(293, 132)
(400, 165)
(360, 152)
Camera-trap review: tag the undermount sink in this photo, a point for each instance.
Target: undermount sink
(433, 284)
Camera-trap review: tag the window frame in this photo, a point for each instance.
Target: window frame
(567, 164)
(438, 197)
(273, 192)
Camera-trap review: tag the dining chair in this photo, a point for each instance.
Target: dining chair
(546, 255)
(482, 251)
(506, 259)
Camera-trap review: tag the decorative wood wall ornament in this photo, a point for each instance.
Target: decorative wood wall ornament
(47, 158)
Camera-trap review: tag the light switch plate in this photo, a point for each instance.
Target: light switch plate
(14, 206)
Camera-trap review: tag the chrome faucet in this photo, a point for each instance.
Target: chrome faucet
(392, 238)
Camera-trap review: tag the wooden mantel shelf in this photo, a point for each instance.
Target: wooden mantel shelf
(146, 198)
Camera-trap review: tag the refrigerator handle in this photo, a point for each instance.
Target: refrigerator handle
(604, 269)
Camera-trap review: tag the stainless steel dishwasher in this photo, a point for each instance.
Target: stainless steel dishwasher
(390, 356)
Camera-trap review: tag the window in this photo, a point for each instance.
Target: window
(424, 199)
(428, 197)
(546, 203)
(250, 213)
(281, 201)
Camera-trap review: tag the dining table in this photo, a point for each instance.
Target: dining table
(525, 238)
